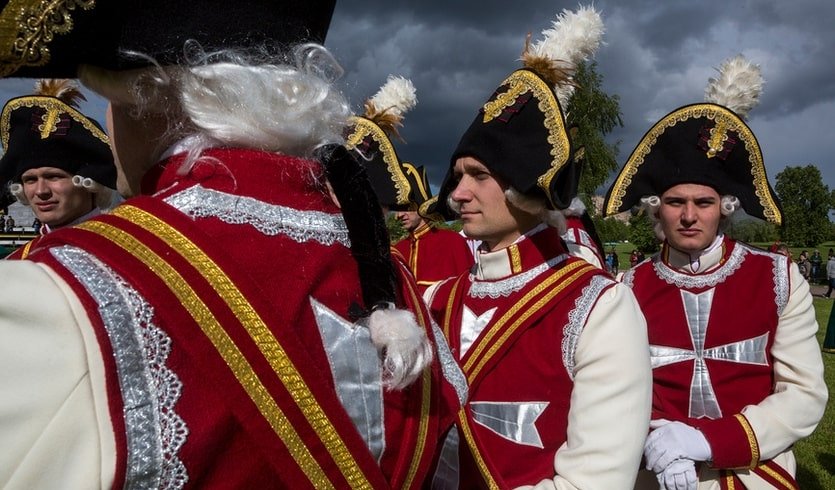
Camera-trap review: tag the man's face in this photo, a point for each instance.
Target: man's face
(410, 220)
(485, 213)
(53, 197)
(689, 216)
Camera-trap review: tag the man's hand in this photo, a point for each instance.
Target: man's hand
(679, 475)
(670, 441)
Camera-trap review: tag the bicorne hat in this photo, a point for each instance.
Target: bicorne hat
(706, 143)
(47, 130)
(520, 133)
(50, 38)
(370, 137)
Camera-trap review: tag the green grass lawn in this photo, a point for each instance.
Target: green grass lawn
(816, 454)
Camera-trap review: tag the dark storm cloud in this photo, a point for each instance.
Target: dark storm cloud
(657, 57)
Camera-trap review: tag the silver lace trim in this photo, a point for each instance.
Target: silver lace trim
(577, 320)
(580, 236)
(269, 219)
(510, 285)
(710, 279)
(449, 367)
(781, 277)
(154, 431)
(628, 277)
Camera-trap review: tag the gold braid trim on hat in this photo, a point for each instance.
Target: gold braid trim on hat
(364, 127)
(422, 191)
(725, 121)
(53, 108)
(28, 26)
(423, 210)
(520, 82)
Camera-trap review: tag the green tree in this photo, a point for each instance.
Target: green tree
(596, 114)
(395, 229)
(642, 234)
(611, 229)
(806, 204)
(752, 230)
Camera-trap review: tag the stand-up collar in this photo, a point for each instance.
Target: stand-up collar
(706, 260)
(531, 249)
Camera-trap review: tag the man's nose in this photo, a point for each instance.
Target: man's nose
(688, 214)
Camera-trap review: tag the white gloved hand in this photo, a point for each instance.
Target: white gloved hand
(673, 440)
(679, 475)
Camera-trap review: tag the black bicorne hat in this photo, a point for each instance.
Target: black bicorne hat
(370, 137)
(707, 144)
(50, 38)
(419, 191)
(48, 131)
(520, 133)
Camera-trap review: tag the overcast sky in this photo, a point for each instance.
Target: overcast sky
(658, 56)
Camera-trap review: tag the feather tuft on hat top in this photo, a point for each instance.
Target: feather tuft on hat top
(573, 37)
(738, 86)
(387, 107)
(63, 89)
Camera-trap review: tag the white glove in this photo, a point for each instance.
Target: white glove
(679, 475)
(674, 440)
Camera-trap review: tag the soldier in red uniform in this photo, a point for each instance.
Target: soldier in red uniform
(61, 167)
(432, 253)
(233, 325)
(554, 350)
(738, 377)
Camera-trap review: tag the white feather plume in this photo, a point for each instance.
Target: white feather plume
(397, 96)
(572, 38)
(738, 86)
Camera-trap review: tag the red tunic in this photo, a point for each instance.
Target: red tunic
(711, 338)
(575, 232)
(233, 266)
(522, 361)
(434, 254)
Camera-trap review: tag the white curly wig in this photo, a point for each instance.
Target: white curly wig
(651, 204)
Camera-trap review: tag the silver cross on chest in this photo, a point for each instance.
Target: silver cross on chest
(703, 402)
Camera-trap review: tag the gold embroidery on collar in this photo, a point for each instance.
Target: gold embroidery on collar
(364, 127)
(715, 113)
(752, 439)
(520, 82)
(28, 26)
(51, 105)
(515, 259)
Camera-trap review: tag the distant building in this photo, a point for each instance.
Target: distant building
(597, 202)
(23, 216)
